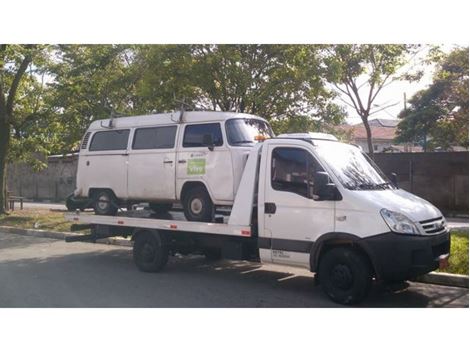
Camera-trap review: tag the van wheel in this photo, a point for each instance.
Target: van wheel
(150, 255)
(345, 275)
(104, 203)
(197, 205)
(160, 208)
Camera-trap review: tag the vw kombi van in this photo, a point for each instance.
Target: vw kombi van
(196, 158)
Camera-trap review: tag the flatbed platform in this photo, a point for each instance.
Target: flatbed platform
(172, 221)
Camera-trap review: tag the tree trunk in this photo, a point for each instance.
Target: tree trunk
(4, 145)
(365, 121)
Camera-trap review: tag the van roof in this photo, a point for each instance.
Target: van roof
(169, 118)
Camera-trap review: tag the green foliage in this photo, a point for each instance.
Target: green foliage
(458, 261)
(438, 116)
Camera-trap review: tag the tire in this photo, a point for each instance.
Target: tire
(160, 208)
(345, 275)
(213, 254)
(150, 255)
(104, 203)
(197, 205)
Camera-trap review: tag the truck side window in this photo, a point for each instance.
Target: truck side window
(194, 135)
(292, 170)
(109, 140)
(154, 138)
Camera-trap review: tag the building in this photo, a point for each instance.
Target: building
(383, 134)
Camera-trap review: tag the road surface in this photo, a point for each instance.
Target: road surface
(41, 272)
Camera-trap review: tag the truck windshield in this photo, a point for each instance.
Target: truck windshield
(247, 131)
(354, 169)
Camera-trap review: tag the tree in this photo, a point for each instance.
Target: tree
(438, 115)
(353, 69)
(278, 82)
(15, 60)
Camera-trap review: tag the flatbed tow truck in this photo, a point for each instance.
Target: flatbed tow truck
(299, 203)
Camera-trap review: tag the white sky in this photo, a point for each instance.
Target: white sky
(394, 92)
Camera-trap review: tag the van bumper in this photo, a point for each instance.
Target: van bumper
(397, 257)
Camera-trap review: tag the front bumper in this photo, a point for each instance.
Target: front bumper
(401, 257)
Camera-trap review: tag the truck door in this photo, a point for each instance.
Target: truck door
(291, 216)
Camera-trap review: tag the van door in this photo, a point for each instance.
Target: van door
(291, 215)
(151, 168)
(105, 163)
(196, 162)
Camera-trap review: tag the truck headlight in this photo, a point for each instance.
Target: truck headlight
(398, 222)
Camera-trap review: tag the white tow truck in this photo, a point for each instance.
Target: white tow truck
(304, 200)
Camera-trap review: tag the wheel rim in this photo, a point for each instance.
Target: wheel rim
(196, 206)
(148, 253)
(341, 277)
(103, 202)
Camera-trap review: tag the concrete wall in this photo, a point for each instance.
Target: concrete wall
(441, 178)
(54, 183)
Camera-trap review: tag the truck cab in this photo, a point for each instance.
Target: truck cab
(326, 206)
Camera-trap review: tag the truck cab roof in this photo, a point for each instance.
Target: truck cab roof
(309, 135)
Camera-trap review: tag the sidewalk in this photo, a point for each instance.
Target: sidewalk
(457, 223)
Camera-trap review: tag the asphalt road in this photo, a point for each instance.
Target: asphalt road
(41, 272)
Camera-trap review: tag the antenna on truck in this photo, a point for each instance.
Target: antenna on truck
(114, 114)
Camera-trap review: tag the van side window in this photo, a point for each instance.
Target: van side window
(154, 138)
(292, 170)
(109, 140)
(194, 134)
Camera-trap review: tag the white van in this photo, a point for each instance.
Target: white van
(195, 157)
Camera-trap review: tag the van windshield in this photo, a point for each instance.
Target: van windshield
(247, 131)
(354, 169)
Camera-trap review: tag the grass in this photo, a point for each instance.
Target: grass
(44, 219)
(41, 219)
(458, 261)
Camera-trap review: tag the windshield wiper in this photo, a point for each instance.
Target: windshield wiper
(243, 142)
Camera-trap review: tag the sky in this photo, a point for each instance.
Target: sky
(393, 94)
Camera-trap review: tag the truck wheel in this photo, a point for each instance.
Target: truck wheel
(345, 275)
(197, 205)
(160, 208)
(149, 253)
(104, 203)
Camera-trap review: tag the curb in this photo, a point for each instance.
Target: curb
(62, 235)
(444, 279)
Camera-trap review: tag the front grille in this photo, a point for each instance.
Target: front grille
(434, 226)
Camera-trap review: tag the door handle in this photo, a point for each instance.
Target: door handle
(168, 161)
(269, 208)
(181, 161)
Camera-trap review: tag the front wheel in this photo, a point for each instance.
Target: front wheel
(149, 252)
(345, 275)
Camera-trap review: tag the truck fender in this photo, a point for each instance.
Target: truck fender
(338, 238)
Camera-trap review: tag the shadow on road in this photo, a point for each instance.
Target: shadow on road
(108, 278)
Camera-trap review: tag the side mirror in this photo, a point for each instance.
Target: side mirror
(208, 141)
(323, 189)
(394, 179)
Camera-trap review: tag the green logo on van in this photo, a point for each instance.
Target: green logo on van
(196, 166)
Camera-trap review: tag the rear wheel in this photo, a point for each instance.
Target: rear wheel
(345, 275)
(197, 205)
(105, 203)
(149, 252)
